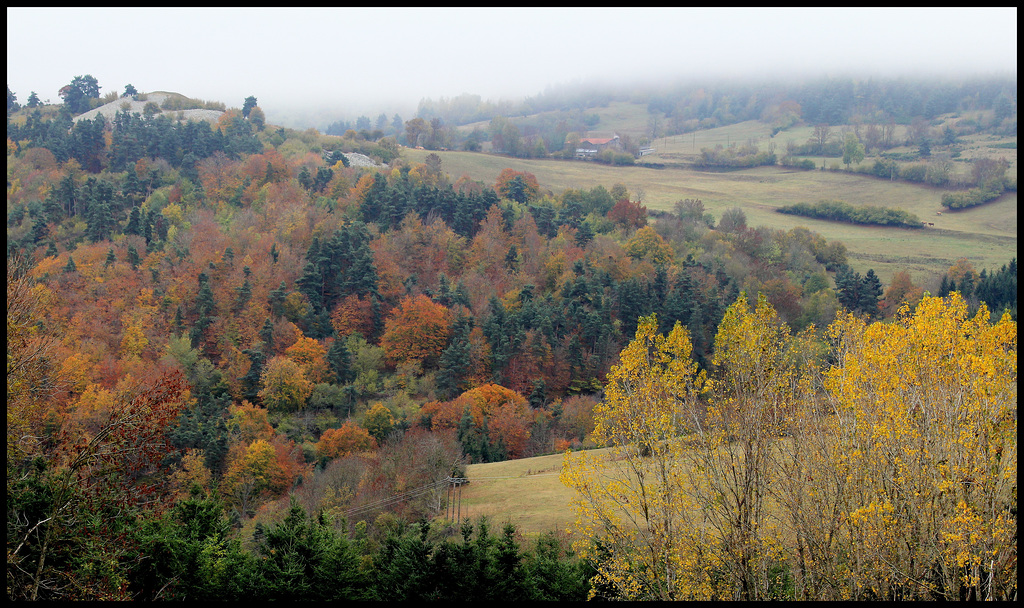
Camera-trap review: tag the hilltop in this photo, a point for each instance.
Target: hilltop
(137, 104)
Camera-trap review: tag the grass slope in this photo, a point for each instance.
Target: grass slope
(526, 492)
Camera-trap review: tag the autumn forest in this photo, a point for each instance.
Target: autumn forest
(251, 362)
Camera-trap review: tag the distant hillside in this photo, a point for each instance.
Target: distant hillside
(138, 103)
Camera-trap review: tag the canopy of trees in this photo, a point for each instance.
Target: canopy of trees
(206, 321)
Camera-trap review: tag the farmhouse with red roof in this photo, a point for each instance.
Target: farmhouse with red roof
(590, 146)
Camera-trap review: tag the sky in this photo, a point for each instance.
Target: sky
(367, 61)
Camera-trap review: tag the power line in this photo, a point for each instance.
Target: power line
(413, 493)
(408, 494)
(453, 508)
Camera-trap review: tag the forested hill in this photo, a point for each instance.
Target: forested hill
(207, 319)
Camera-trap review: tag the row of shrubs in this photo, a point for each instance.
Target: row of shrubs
(735, 158)
(840, 211)
(612, 157)
(798, 163)
(969, 198)
(173, 103)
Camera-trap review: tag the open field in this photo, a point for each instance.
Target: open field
(986, 235)
(526, 492)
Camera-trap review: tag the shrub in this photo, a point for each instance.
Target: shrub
(914, 173)
(968, 198)
(839, 211)
(798, 163)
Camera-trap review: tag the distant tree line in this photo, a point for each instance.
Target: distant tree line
(997, 289)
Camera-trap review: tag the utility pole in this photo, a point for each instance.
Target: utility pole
(453, 510)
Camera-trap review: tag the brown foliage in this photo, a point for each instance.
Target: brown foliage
(628, 214)
(507, 414)
(353, 314)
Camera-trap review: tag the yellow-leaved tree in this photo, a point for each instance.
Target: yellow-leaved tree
(683, 505)
(633, 513)
(890, 475)
(927, 411)
(761, 374)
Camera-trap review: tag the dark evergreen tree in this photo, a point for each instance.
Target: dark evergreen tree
(76, 95)
(944, 287)
(248, 105)
(870, 294)
(276, 300)
(134, 225)
(966, 286)
(301, 558)
(251, 380)
(849, 288)
(453, 367)
(584, 234)
(39, 230)
(133, 257)
(267, 337)
(244, 293)
(340, 362)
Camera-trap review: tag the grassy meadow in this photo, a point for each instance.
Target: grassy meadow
(526, 492)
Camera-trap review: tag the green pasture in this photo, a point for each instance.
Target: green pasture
(623, 118)
(686, 147)
(985, 235)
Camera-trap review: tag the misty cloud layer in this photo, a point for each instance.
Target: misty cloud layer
(373, 60)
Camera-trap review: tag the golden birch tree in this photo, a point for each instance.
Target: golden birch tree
(927, 407)
(760, 374)
(633, 514)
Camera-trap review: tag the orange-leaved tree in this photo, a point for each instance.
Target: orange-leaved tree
(311, 357)
(505, 412)
(519, 186)
(416, 332)
(348, 439)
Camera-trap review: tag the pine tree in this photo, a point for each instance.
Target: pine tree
(849, 288)
(134, 225)
(267, 336)
(39, 230)
(276, 300)
(340, 361)
(453, 367)
(133, 256)
(251, 380)
(244, 293)
(871, 292)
